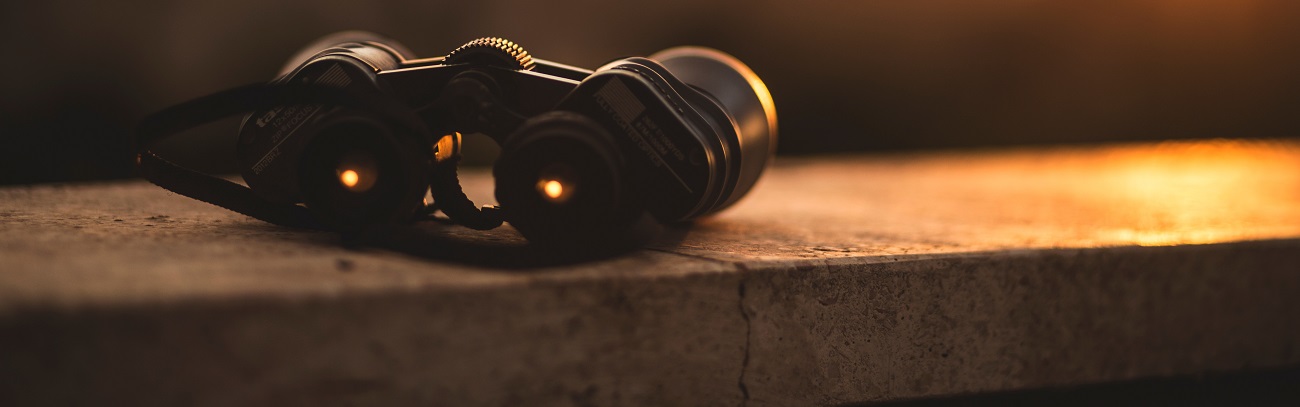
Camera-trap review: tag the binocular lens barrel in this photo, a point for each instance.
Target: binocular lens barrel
(742, 95)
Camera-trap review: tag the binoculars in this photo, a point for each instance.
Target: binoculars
(355, 131)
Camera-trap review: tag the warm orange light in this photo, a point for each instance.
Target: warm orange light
(1147, 194)
(1193, 192)
(553, 189)
(349, 178)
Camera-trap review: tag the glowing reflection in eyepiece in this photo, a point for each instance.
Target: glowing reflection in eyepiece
(553, 189)
(555, 182)
(357, 171)
(349, 178)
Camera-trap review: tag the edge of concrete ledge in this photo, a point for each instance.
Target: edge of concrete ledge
(821, 331)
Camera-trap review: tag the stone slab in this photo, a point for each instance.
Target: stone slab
(841, 279)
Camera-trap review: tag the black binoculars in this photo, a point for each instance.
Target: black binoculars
(355, 132)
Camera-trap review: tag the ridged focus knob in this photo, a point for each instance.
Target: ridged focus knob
(494, 51)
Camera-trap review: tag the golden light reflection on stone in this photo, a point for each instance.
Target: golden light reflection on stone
(1131, 194)
(1054, 197)
(1196, 192)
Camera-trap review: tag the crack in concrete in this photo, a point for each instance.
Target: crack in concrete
(749, 330)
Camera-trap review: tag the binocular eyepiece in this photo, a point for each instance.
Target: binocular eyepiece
(356, 131)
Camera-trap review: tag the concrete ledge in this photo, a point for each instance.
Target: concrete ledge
(1002, 321)
(858, 284)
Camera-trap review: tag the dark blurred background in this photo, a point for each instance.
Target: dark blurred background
(863, 75)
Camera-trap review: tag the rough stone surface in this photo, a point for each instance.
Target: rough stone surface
(840, 279)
